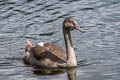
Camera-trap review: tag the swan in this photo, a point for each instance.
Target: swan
(50, 55)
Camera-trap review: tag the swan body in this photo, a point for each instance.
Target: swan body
(49, 55)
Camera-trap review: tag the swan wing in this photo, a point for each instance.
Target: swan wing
(56, 50)
(49, 51)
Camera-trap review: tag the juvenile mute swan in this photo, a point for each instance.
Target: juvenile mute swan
(49, 55)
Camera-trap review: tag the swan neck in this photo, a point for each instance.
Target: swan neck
(71, 58)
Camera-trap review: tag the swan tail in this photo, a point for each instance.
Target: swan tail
(28, 46)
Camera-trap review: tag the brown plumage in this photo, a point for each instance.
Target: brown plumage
(51, 55)
(49, 51)
(48, 55)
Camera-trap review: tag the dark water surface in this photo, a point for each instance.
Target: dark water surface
(41, 20)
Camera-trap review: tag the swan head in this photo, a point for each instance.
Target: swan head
(71, 24)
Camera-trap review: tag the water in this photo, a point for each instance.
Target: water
(97, 50)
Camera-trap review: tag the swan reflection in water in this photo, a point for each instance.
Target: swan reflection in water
(71, 72)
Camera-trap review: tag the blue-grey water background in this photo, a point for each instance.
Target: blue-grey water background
(41, 20)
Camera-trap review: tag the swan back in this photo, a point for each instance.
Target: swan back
(47, 55)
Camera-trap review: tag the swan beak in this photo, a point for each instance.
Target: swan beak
(79, 29)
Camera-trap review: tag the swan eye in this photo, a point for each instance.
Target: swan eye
(71, 29)
(73, 24)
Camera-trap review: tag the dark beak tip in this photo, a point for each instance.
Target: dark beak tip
(83, 31)
(80, 29)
